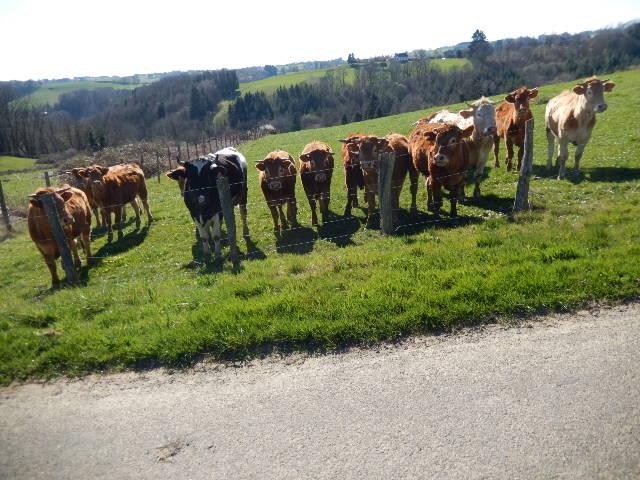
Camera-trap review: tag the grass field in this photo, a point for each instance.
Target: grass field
(271, 84)
(450, 63)
(148, 303)
(8, 163)
(49, 92)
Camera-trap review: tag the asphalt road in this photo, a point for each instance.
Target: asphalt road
(558, 397)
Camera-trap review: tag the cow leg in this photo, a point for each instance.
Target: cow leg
(324, 206)
(352, 200)
(283, 218)
(436, 189)
(579, 151)
(86, 244)
(203, 233)
(217, 233)
(136, 209)
(563, 154)
(73, 246)
(51, 265)
(413, 187)
(292, 212)
(496, 150)
(371, 204)
(118, 211)
(520, 156)
(243, 217)
(509, 158)
(314, 214)
(427, 185)
(96, 216)
(551, 143)
(145, 205)
(124, 213)
(455, 194)
(274, 214)
(107, 219)
(103, 215)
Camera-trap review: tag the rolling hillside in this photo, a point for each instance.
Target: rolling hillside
(271, 84)
(153, 300)
(49, 92)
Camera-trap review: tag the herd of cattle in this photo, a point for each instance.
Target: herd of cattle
(442, 147)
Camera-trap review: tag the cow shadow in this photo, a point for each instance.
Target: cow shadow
(421, 222)
(339, 229)
(493, 203)
(127, 242)
(101, 231)
(253, 251)
(299, 240)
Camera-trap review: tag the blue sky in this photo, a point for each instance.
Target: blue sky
(66, 38)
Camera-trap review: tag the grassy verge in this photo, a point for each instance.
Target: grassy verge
(148, 303)
(271, 84)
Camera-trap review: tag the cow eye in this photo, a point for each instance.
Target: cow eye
(452, 141)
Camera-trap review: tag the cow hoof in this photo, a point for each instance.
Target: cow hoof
(110, 238)
(245, 233)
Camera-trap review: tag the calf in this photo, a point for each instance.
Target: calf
(440, 153)
(178, 174)
(352, 171)
(571, 116)
(480, 114)
(511, 117)
(74, 213)
(201, 195)
(82, 183)
(113, 187)
(277, 176)
(369, 148)
(316, 169)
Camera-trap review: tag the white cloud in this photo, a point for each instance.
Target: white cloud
(65, 38)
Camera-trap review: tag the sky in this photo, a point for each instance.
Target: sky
(69, 38)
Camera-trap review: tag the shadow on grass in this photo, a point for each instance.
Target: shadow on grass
(595, 174)
(299, 240)
(422, 221)
(339, 229)
(129, 241)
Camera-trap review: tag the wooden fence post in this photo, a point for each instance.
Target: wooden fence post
(209, 140)
(179, 157)
(141, 160)
(196, 145)
(169, 156)
(224, 193)
(158, 165)
(386, 161)
(58, 233)
(522, 193)
(47, 180)
(188, 155)
(5, 212)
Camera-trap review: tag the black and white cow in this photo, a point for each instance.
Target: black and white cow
(201, 192)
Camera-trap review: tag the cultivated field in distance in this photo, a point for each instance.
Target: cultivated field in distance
(147, 302)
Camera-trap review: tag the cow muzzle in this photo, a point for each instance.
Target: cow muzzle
(490, 131)
(68, 220)
(601, 107)
(201, 200)
(275, 185)
(320, 177)
(441, 160)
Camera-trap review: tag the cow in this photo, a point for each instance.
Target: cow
(511, 116)
(113, 187)
(353, 177)
(571, 116)
(316, 170)
(440, 153)
(277, 176)
(369, 147)
(74, 213)
(201, 195)
(480, 114)
(78, 181)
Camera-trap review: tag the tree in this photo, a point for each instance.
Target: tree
(270, 70)
(351, 59)
(198, 105)
(479, 49)
(161, 110)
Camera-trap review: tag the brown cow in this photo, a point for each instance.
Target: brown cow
(74, 213)
(352, 170)
(78, 181)
(369, 148)
(277, 176)
(511, 117)
(440, 153)
(113, 187)
(316, 170)
(571, 116)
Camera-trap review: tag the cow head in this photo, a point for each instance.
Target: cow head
(200, 187)
(275, 168)
(369, 147)
(60, 197)
(593, 91)
(319, 161)
(520, 99)
(483, 113)
(446, 142)
(178, 174)
(352, 148)
(94, 177)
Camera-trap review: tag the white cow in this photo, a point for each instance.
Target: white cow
(571, 116)
(480, 114)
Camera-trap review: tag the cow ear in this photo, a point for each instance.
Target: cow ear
(35, 202)
(66, 195)
(533, 93)
(383, 143)
(466, 113)
(260, 165)
(467, 131)
(578, 89)
(176, 174)
(304, 157)
(608, 86)
(103, 170)
(511, 98)
(330, 151)
(431, 136)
